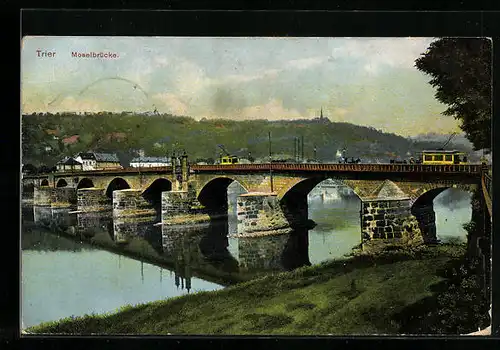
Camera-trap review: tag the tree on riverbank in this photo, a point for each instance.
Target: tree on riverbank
(461, 73)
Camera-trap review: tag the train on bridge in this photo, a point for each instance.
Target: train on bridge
(436, 157)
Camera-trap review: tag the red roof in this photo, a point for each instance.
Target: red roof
(70, 140)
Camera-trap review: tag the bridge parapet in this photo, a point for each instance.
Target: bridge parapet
(486, 184)
(379, 168)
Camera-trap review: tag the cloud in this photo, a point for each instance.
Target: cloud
(272, 110)
(379, 52)
(245, 78)
(72, 104)
(161, 61)
(189, 79)
(305, 63)
(340, 112)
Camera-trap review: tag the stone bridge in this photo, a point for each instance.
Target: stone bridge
(396, 200)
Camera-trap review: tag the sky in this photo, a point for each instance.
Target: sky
(364, 81)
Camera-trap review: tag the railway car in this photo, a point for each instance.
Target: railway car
(227, 160)
(442, 157)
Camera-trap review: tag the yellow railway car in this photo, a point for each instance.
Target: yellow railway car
(227, 160)
(441, 157)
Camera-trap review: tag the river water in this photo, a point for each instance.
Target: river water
(77, 264)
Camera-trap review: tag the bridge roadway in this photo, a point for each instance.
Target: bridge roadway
(475, 169)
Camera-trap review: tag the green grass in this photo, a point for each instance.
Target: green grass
(361, 295)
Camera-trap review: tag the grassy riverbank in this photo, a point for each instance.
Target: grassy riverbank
(388, 293)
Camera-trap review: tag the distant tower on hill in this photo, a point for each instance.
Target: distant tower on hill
(321, 115)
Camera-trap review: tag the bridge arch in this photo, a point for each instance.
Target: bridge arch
(153, 192)
(115, 185)
(213, 194)
(44, 182)
(85, 183)
(423, 208)
(294, 199)
(303, 186)
(61, 183)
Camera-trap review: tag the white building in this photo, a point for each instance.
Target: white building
(149, 162)
(98, 161)
(69, 164)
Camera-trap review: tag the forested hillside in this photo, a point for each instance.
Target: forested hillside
(46, 138)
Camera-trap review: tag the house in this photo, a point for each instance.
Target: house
(98, 161)
(71, 140)
(149, 162)
(69, 164)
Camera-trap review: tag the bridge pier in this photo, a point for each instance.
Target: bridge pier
(129, 202)
(54, 197)
(92, 199)
(42, 196)
(64, 197)
(426, 218)
(295, 209)
(182, 207)
(260, 214)
(387, 221)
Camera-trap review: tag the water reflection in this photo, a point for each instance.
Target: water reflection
(337, 228)
(214, 246)
(181, 245)
(453, 209)
(42, 216)
(84, 279)
(274, 252)
(62, 276)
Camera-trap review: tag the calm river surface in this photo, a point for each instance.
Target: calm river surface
(64, 276)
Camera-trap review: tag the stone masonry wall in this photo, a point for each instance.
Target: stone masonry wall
(426, 218)
(92, 199)
(295, 209)
(182, 207)
(388, 220)
(64, 196)
(42, 196)
(55, 197)
(260, 214)
(130, 202)
(175, 203)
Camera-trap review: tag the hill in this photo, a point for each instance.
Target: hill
(46, 138)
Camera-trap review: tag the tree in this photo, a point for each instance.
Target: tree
(29, 169)
(461, 71)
